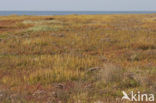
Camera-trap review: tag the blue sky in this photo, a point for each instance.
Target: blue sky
(75, 5)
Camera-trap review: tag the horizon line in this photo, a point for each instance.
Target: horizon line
(85, 10)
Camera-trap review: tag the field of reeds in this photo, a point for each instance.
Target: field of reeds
(76, 58)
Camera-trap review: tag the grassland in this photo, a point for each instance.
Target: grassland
(76, 58)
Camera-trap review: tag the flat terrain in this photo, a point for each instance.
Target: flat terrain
(76, 58)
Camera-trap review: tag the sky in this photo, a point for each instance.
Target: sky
(79, 5)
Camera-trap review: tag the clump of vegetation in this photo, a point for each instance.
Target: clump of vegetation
(111, 73)
(45, 28)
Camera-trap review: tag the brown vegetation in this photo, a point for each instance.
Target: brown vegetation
(76, 58)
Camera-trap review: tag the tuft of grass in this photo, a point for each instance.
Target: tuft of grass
(48, 76)
(63, 69)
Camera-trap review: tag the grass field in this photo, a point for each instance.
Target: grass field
(76, 58)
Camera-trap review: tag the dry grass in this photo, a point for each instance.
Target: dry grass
(76, 58)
